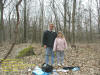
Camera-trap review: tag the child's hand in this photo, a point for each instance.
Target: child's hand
(53, 50)
(66, 49)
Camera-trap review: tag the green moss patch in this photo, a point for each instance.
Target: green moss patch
(26, 52)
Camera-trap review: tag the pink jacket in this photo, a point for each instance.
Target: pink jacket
(60, 44)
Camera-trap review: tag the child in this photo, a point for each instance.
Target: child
(59, 46)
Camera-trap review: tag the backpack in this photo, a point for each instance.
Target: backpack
(47, 68)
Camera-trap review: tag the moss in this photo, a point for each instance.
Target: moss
(26, 52)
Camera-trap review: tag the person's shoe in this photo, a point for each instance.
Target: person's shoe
(53, 64)
(59, 64)
(62, 64)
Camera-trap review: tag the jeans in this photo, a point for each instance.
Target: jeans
(60, 57)
(49, 53)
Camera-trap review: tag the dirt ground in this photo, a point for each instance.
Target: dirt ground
(86, 56)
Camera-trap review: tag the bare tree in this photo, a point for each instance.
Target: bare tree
(65, 10)
(73, 22)
(2, 33)
(9, 18)
(41, 18)
(55, 13)
(90, 22)
(86, 26)
(25, 22)
(98, 9)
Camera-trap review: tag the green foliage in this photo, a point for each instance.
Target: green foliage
(26, 52)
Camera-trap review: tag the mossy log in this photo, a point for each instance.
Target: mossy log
(26, 52)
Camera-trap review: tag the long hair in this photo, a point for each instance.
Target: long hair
(60, 32)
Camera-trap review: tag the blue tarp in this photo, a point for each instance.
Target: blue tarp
(38, 71)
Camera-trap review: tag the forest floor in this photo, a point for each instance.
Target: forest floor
(86, 56)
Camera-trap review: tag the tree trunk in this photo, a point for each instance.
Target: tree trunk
(73, 22)
(10, 27)
(69, 35)
(98, 9)
(86, 25)
(42, 19)
(2, 35)
(99, 23)
(65, 28)
(55, 14)
(91, 37)
(25, 23)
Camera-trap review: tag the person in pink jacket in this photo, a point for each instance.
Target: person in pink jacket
(60, 45)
